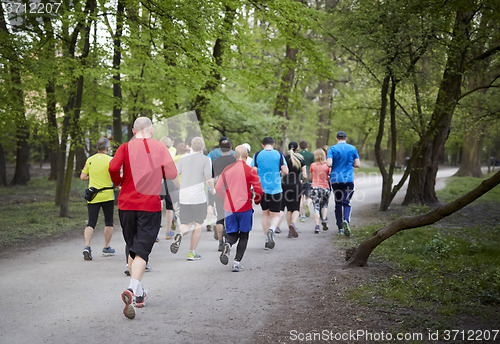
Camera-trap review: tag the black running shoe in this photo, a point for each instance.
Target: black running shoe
(224, 256)
(174, 247)
(87, 253)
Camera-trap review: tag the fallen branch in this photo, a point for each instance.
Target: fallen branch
(363, 251)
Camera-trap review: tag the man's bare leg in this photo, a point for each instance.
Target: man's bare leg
(108, 233)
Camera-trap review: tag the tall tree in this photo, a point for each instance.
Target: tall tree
(427, 153)
(71, 128)
(17, 105)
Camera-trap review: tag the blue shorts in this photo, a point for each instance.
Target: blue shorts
(239, 222)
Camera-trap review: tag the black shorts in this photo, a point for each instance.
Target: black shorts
(291, 197)
(190, 213)
(271, 202)
(107, 209)
(219, 205)
(140, 230)
(306, 189)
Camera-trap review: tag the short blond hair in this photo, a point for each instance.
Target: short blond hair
(319, 155)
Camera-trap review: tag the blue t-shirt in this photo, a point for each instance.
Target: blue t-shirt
(268, 163)
(342, 155)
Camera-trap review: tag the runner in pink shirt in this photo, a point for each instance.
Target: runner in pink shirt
(320, 188)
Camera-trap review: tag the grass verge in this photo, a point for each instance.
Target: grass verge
(445, 275)
(28, 213)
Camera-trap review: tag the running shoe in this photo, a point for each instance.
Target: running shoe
(340, 232)
(176, 244)
(302, 219)
(108, 251)
(237, 267)
(347, 230)
(170, 235)
(87, 253)
(221, 247)
(140, 300)
(224, 256)
(316, 229)
(325, 225)
(278, 230)
(193, 256)
(148, 268)
(127, 271)
(270, 239)
(308, 213)
(293, 231)
(128, 299)
(209, 228)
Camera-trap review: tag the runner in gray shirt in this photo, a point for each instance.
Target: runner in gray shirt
(194, 170)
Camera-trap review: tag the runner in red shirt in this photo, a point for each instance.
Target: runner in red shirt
(139, 205)
(234, 187)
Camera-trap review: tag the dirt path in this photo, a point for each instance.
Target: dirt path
(53, 296)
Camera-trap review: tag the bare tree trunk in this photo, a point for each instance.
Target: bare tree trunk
(363, 251)
(3, 167)
(285, 88)
(323, 138)
(203, 98)
(117, 86)
(52, 129)
(470, 166)
(22, 172)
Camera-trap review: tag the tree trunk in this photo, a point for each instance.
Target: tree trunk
(117, 86)
(81, 158)
(203, 98)
(470, 166)
(324, 115)
(53, 139)
(22, 172)
(363, 251)
(427, 154)
(73, 109)
(285, 88)
(3, 167)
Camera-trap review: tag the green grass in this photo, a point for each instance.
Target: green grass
(28, 213)
(459, 186)
(439, 271)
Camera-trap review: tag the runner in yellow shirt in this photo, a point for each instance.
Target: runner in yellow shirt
(96, 172)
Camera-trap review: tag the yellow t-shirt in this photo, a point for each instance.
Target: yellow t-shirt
(96, 167)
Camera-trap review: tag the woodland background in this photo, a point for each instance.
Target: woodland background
(403, 78)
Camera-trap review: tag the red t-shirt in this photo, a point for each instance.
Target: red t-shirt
(320, 173)
(233, 186)
(142, 161)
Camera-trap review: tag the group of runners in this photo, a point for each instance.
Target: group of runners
(224, 183)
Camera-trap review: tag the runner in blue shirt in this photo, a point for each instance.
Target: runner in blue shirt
(269, 164)
(342, 157)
